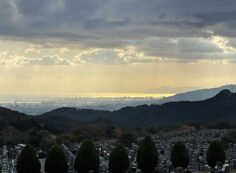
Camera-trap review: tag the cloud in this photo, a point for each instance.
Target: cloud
(49, 60)
(123, 31)
(66, 18)
(33, 49)
(16, 60)
(9, 60)
(64, 49)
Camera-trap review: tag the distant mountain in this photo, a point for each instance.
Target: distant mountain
(18, 120)
(66, 117)
(37, 106)
(7, 116)
(220, 107)
(10, 114)
(16, 127)
(197, 95)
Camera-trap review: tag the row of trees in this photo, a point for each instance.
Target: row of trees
(88, 158)
(180, 154)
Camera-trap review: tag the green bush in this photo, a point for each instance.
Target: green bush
(179, 155)
(56, 161)
(87, 158)
(28, 161)
(119, 160)
(147, 156)
(215, 153)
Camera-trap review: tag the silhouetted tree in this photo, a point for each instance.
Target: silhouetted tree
(147, 156)
(179, 155)
(119, 160)
(215, 153)
(56, 161)
(28, 161)
(87, 158)
(127, 138)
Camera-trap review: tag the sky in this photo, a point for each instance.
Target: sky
(116, 47)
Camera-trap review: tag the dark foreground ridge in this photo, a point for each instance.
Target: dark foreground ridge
(220, 107)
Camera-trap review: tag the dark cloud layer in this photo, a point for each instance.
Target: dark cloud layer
(152, 26)
(114, 16)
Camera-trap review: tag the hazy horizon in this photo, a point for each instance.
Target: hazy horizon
(151, 95)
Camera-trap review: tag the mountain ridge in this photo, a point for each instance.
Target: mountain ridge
(197, 95)
(220, 107)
